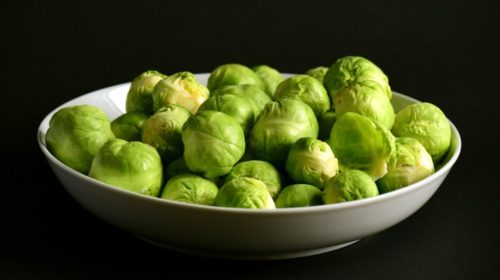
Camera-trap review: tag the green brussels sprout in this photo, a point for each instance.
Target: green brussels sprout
(299, 195)
(311, 161)
(360, 143)
(213, 143)
(243, 192)
(449, 154)
(233, 74)
(354, 70)
(281, 124)
(133, 166)
(257, 95)
(128, 126)
(325, 122)
(240, 107)
(190, 188)
(181, 89)
(163, 131)
(270, 77)
(370, 102)
(307, 89)
(348, 185)
(247, 156)
(409, 164)
(176, 167)
(426, 123)
(318, 73)
(139, 97)
(75, 135)
(260, 170)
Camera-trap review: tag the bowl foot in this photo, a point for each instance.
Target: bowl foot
(249, 255)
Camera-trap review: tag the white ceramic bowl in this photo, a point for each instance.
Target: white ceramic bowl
(240, 233)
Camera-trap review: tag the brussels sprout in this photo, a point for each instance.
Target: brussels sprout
(325, 122)
(248, 155)
(311, 161)
(409, 164)
(257, 95)
(360, 143)
(76, 133)
(244, 192)
(233, 74)
(139, 97)
(318, 73)
(307, 89)
(163, 131)
(129, 126)
(133, 166)
(370, 102)
(240, 107)
(182, 89)
(213, 143)
(191, 189)
(449, 154)
(354, 70)
(260, 170)
(299, 195)
(176, 167)
(270, 77)
(281, 124)
(426, 123)
(350, 184)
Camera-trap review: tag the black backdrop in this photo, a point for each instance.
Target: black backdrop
(444, 52)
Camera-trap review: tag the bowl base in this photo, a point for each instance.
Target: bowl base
(249, 255)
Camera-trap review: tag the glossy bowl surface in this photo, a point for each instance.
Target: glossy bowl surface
(240, 233)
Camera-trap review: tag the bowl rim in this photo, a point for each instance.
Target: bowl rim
(243, 211)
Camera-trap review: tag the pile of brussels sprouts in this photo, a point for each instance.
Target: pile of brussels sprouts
(252, 139)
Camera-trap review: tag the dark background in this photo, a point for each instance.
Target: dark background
(443, 52)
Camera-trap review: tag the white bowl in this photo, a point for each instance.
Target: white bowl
(240, 233)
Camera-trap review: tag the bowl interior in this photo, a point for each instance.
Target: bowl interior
(112, 101)
(234, 232)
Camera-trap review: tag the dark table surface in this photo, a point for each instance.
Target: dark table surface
(443, 52)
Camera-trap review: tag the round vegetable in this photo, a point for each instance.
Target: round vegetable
(368, 101)
(350, 70)
(260, 170)
(233, 74)
(349, 184)
(270, 77)
(129, 126)
(311, 161)
(181, 89)
(133, 166)
(247, 156)
(239, 107)
(426, 123)
(163, 131)
(254, 93)
(299, 195)
(176, 167)
(76, 133)
(244, 192)
(191, 189)
(187, 128)
(139, 97)
(326, 121)
(360, 143)
(318, 73)
(409, 164)
(213, 143)
(281, 124)
(307, 89)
